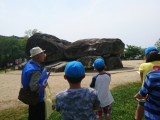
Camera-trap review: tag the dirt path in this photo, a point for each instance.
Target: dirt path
(10, 82)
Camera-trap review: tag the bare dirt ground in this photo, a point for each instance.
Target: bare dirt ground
(10, 82)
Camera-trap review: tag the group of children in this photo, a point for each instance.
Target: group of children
(77, 103)
(149, 95)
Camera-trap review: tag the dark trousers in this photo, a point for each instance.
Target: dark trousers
(37, 112)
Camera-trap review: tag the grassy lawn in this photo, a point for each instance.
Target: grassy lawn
(123, 108)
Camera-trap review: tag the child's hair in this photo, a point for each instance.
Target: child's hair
(74, 80)
(152, 56)
(100, 69)
(74, 72)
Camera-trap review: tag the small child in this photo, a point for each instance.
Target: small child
(101, 83)
(76, 103)
(150, 92)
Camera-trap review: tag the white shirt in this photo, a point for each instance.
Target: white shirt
(102, 83)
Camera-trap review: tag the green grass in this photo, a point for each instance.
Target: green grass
(14, 114)
(125, 105)
(123, 108)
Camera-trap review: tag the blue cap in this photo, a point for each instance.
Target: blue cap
(149, 49)
(74, 69)
(98, 63)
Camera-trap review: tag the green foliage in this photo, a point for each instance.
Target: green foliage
(55, 116)
(123, 108)
(30, 32)
(157, 44)
(11, 48)
(20, 113)
(133, 52)
(22, 46)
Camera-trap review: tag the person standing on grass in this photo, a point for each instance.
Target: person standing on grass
(150, 91)
(101, 83)
(34, 77)
(76, 103)
(152, 62)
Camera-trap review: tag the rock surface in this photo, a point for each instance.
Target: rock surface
(85, 50)
(53, 46)
(94, 47)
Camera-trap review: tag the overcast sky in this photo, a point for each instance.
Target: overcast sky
(135, 22)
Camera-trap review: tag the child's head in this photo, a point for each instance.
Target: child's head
(74, 72)
(99, 64)
(150, 49)
(152, 54)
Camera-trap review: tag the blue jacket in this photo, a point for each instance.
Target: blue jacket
(29, 68)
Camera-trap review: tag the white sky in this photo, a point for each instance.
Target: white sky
(135, 22)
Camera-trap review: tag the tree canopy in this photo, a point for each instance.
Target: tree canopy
(11, 48)
(157, 44)
(133, 52)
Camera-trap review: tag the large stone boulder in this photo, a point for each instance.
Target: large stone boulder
(87, 61)
(53, 46)
(94, 47)
(112, 62)
(85, 51)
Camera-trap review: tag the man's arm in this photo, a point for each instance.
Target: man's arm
(34, 81)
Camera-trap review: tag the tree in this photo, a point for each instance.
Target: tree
(22, 46)
(11, 48)
(30, 32)
(133, 52)
(157, 44)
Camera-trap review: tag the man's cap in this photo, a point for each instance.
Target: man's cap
(74, 69)
(98, 63)
(149, 49)
(35, 51)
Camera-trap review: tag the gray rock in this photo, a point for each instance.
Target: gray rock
(54, 46)
(88, 61)
(113, 62)
(110, 62)
(94, 47)
(57, 67)
(85, 50)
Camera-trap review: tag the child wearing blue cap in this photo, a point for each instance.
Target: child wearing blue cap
(152, 62)
(76, 103)
(101, 82)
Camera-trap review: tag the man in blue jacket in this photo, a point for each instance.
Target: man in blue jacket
(34, 77)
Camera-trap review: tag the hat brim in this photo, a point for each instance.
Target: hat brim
(37, 53)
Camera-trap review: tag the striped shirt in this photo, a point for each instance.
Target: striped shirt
(152, 88)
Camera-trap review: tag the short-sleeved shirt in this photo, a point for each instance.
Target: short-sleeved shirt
(147, 67)
(151, 87)
(101, 83)
(77, 104)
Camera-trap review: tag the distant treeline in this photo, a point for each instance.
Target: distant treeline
(11, 48)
